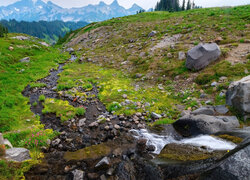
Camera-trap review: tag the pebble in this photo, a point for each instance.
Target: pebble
(135, 118)
(125, 96)
(213, 84)
(117, 126)
(93, 124)
(106, 128)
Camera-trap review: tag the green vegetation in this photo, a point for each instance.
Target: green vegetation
(62, 109)
(17, 122)
(49, 31)
(38, 85)
(3, 31)
(42, 98)
(113, 84)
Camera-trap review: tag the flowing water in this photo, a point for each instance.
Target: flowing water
(159, 141)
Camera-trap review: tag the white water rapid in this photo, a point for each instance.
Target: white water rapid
(159, 141)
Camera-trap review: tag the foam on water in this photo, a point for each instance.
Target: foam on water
(204, 140)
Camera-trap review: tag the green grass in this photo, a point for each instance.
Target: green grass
(38, 85)
(16, 119)
(14, 76)
(42, 98)
(62, 109)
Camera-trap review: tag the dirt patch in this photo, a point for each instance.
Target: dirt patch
(239, 54)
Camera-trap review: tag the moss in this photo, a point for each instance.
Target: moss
(234, 139)
(62, 109)
(88, 153)
(180, 152)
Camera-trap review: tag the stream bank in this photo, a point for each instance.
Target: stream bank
(118, 148)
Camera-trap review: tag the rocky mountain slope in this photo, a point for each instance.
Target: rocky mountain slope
(30, 10)
(152, 96)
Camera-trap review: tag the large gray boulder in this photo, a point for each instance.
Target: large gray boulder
(17, 154)
(209, 110)
(233, 166)
(202, 55)
(191, 125)
(238, 96)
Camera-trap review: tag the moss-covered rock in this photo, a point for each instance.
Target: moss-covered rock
(89, 153)
(181, 152)
(234, 139)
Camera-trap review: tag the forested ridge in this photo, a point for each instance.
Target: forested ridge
(50, 31)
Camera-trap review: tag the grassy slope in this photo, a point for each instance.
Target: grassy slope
(113, 48)
(17, 122)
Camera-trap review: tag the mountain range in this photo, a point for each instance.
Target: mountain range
(37, 10)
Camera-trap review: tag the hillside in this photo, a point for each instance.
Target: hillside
(49, 31)
(117, 107)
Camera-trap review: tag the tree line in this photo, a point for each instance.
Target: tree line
(174, 5)
(49, 31)
(3, 31)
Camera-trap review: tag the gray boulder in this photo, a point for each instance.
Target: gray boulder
(235, 165)
(202, 55)
(17, 154)
(204, 110)
(155, 115)
(25, 60)
(238, 96)
(191, 125)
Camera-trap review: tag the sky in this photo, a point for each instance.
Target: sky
(146, 4)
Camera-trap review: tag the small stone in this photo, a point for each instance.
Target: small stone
(25, 60)
(137, 122)
(135, 118)
(182, 55)
(142, 54)
(103, 177)
(223, 79)
(151, 34)
(110, 171)
(56, 142)
(104, 162)
(93, 124)
(106, 128)
(78, 174)
(66, 169)
(218, 39)
(147, 104)
(1, 139)
(138, 114)
(125, 96)
(11, 48)
(138, 75)
(81, 122)
(214, 84)
(127, 101)
(155, 115)
(222, 94)
(116, 126)
(93, 175)
(208, 102)
(203, 95)
(169, 55)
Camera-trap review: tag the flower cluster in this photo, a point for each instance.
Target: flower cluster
(36, 140)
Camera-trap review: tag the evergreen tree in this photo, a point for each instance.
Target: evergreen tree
(188, 5)
(183, 5)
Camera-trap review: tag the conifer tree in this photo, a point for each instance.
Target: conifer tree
(183, 5)
(188, 5)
